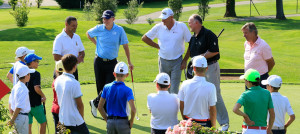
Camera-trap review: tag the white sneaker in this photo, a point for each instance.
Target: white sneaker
(93, 109)
(224, 127)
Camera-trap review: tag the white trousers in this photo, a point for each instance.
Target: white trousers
(22, 123)
(254, 131)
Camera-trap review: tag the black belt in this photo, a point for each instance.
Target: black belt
(212, 62)
(117, 117)
(23, 113)
(106, 60)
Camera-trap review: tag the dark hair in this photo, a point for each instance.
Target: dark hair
(197, 17)
(200, 69)
(255, 83)
(69, 61)
(163, 86)
(69, 19)
(21, 77)
(120, 75)
(275, 88)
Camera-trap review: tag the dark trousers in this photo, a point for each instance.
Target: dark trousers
(56, 119)
(75, 74)
(81, 129)
(278, 131)
(103, 74)
(158, 131)
(262, 77)
(203, 123)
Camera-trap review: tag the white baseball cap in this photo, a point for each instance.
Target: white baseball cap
(59, 66)
(23, 70)
(199, 61)
(273, 80)
(121, 68)
(21, 51)
(165, 13)
(162, 78)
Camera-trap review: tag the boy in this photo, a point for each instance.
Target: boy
(116, 95)
(68, 91)
(20, 103)
(162, 105)
(281, 105)
(36, 95)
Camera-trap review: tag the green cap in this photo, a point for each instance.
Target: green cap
(251, 75)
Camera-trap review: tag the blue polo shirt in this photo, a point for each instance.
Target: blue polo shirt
(117, 94)
(108, 41)
(12, 68)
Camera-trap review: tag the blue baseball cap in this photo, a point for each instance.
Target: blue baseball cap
(107, 14)
(31, 57)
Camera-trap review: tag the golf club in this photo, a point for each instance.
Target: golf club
(46, 117)
(137, 114)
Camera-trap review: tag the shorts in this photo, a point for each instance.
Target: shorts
(38, 113)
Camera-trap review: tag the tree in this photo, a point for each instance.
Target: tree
(99, 6)
(13, 3)
(203, 8)
(132, 11)
(279, 10)
(39, 2)
(21, 13)
(230, 8)
(176, 6)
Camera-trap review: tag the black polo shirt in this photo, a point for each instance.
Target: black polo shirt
(206, 40)
(35, 79)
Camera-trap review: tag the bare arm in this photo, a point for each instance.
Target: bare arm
(236, 110)
(101, 109)
(271, 120)
(271, 64)
(14, 116)
(133, 111)
(185, 59)
(213, 115)
(10, 77)
(81, 57)
(80, 106)
(127, 52)
(208, 54)
(57, 57)
(181, 107)
(149, 42)
(40, 92)
(92, 39)
(290, 121)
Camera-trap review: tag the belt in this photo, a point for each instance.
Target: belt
(23, 113)
(277, 128)
(254, 127)
(197, 119)
(117, 117)
(105, 60)
(212, 62)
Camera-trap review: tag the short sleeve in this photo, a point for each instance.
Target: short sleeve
(289, 107)
(103, 95)
(186, 32)
(241, 100)
(57, 46)
(81, 48)
(11, 70)
(213, 97)
(76, 92)
(181, 93)
(93, 32)
(37, 79)
(123, 38)
(148, 102)
(153, 33)
(21, 98)
(130, 95)
(212, 41)
(267, 52)
(270, 104)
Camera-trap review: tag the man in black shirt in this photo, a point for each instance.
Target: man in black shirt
(204, 42)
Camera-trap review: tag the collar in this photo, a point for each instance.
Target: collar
(69, 75)
(275, 93)
(257, 42)
(199, 78)
(22, 62)
(163, 92)
(113, 27)
(119, 82)
(201, 32)
(64, 32)
(174, 26)
(255, 88)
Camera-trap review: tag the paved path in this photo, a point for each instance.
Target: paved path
(45, 3)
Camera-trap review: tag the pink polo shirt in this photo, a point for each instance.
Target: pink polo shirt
(255, 56)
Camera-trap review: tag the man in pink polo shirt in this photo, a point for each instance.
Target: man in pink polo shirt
(258, 54)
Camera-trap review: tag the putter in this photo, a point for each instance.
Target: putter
(46, 117)
(137, 114)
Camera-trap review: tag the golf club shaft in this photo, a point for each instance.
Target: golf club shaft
(137, 114)
(220, 33)
(46, 117)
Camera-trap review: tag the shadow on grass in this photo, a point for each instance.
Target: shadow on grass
(98, 130)
(28, 34)
(142, 128)
(132, 31)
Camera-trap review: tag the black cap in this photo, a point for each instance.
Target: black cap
(107, 14)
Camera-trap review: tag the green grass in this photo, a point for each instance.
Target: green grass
(230, 93)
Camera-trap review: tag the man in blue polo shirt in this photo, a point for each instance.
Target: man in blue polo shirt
(117, 94)
(109, 38)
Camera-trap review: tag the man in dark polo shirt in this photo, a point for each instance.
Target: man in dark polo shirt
(204, 42)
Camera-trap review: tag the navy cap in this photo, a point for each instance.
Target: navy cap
(107, 14)
(31, 57)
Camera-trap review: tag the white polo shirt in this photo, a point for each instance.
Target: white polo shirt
(68, 89)
(281, 106)
(171, 42)
(64, 44)
(198, 95)
(164, 109)
(19, 98)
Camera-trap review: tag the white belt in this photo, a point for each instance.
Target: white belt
(277, 128)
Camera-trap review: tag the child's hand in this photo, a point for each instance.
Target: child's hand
(43, 99)
(10, 123)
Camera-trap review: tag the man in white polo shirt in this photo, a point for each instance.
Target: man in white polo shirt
(68, 42)
(281, 105)
(198, 97)
(171, 37)
(162, 105)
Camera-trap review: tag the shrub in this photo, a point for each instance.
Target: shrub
(21, 14)
(203, 8)
(132, 11)
(71, 3)
(13, 3)
(99, 6)
(176, 6)
(150, 21)
(1, 2)
(39, 2)
(88, 12)
(3, 116)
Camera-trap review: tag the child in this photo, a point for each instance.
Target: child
(116, 95)
(36, 95)
(71, 111)
(20, 103)
(281, 105)
(59, 69)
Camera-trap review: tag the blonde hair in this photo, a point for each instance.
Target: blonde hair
(251, 27)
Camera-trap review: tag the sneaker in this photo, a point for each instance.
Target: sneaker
(224, 127)
(93, 109)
